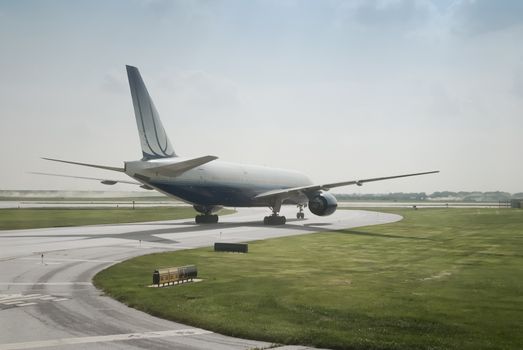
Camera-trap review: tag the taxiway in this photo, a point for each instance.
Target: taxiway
(47, 299)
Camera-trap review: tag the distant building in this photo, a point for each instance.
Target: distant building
(516, 203)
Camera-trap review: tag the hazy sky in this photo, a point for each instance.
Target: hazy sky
(339, 90)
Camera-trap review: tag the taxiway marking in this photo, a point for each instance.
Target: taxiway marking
(103, 338)
(10, 300)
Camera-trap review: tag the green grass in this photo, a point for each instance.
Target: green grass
(11, 219)
(439, 279)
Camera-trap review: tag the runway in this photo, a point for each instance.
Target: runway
(47, 299)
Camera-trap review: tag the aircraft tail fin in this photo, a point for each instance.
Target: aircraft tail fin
(154, 141)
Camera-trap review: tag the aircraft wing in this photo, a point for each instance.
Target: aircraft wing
(313, 188)
(103, 181)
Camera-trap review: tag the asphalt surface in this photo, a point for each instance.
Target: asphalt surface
(47, 299)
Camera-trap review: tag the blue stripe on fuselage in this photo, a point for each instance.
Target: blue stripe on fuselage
(206, 194)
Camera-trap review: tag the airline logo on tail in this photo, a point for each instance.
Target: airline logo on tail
(154, 140)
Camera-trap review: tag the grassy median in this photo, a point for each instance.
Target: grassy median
(439, 279)
(11, 219)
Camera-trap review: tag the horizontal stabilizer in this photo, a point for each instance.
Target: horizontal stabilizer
(179, 167)
(313, 188)
(89, 165)
(103, 181)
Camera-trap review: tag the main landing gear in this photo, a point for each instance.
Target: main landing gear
(206, 219)
(300, 214)
(206, 214)
(275, 219)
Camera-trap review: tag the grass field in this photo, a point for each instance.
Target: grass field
(11, 219)
(439, 279)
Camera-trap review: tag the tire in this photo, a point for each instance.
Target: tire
(274, 220)
(206, 219)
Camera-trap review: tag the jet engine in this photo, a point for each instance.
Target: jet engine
(322, 203)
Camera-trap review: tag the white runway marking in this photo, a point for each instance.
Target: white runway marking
(26, 304)
(103, 338)
(10, 300)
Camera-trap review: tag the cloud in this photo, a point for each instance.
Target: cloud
(389, 15)
(392, 14)
(432, 19)
(185, 11)
(200, 94)
(476, 17)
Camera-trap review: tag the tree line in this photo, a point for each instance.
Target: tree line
(447, 196)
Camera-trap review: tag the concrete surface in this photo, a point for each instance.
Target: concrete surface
(49, 301)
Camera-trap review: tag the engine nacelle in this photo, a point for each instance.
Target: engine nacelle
(323, 204)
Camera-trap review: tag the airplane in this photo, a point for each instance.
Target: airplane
(210, 184)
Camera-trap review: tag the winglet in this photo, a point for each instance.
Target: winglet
(154, 140)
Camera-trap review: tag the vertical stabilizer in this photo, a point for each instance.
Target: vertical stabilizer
(154, 140)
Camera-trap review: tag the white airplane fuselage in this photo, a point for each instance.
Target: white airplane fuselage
(219, 183)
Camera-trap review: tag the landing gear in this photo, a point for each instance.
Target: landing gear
(274, 219)
(206, 219)
(300, 214)
(206, 214)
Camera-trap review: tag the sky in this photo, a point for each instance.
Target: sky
(339, 90)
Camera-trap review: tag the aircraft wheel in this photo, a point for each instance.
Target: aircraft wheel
(274, 220)
(206, 219)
